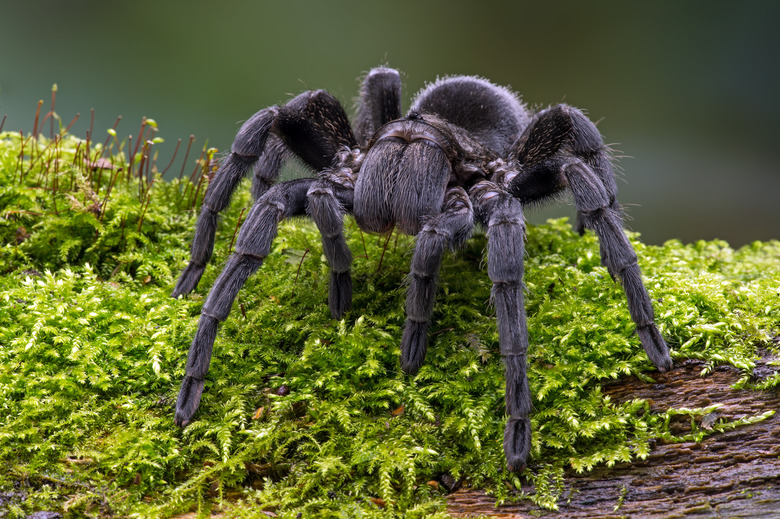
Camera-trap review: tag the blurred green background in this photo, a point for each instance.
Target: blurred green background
(687, 91)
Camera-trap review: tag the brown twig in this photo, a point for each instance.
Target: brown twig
(148, 196)
(235, 231)
(140, 139)
(108, 139)
(175, 151)
(71, 123)
(384, 249)
(298, 272)
(186, 155)
(37, 115)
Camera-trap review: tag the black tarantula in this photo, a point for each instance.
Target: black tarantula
(467, 152)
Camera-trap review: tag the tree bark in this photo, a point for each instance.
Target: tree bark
(731, 474)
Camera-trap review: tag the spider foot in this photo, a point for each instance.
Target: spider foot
(189, 398)
(196, 369)
(188, 281)
(517, 443)
(655, 346)
(340, 293)
(414, 345)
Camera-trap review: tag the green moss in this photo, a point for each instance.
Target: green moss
(302, 413)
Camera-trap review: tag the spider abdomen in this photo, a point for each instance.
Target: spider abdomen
(492, 114)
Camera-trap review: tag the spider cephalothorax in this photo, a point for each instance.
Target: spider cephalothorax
(468, 152)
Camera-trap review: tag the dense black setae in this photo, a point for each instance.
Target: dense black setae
(468, 152)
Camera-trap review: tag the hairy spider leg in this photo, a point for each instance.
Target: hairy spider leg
(562, 148)
(560, 130)
(254, 241)
(379, 102)
(502, 215)
(618, 255)
(262, 141)
(268, 165)
(252, 246)
(447, 230)
(313, 126)
(327, 211)
(247, 147)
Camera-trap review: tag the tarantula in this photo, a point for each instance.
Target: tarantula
(467, 152)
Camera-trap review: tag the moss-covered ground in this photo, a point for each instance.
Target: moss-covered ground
(302, 415)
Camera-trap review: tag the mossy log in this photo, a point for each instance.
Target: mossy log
(731, 474)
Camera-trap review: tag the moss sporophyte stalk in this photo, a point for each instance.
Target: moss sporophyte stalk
(303, 413)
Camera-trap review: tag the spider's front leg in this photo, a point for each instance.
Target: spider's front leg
(502, 215)
(447, 230)
(327, 203)
(562, 148)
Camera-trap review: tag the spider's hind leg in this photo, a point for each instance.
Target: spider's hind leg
(562, 148)
(379, 102)
(268, 166)
(554, 136)
(312, 125)
(247, 147)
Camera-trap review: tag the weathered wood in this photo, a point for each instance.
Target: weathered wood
(731, 474)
